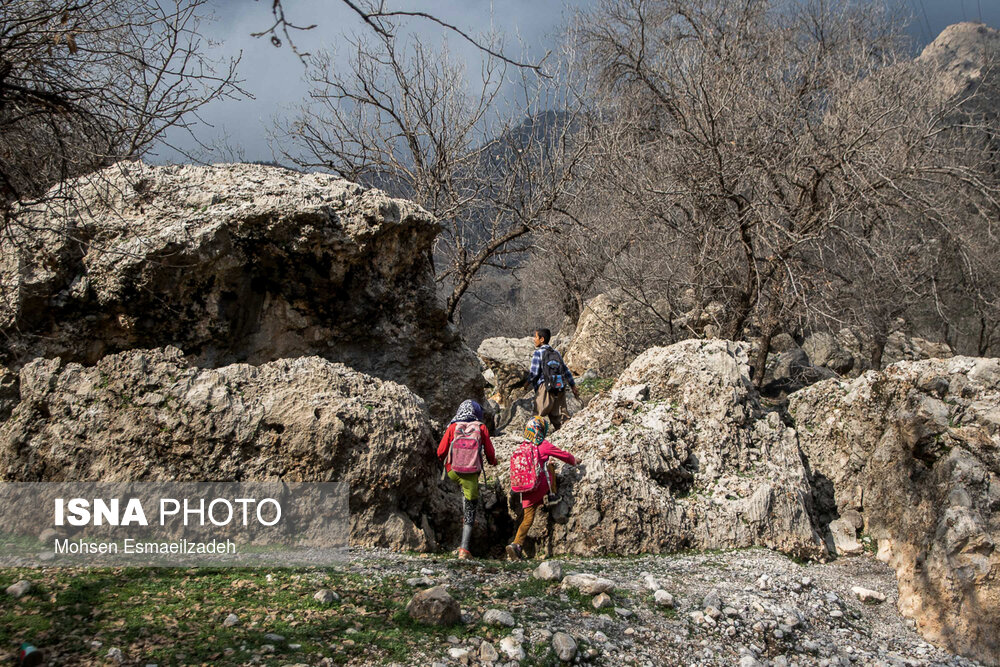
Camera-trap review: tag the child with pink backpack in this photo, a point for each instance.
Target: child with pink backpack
(533, 476)
(461, 449)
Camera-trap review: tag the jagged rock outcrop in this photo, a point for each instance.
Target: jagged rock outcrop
(963, 61)
(915, 449)
(148, 415)
(678, 455)
(233, 263)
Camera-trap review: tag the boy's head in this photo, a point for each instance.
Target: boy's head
(542, 337)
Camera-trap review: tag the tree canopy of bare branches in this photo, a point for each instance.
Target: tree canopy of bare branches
(491, 167)
(781, 155)
(85, 83)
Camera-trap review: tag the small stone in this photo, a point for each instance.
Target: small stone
(564, 645)
(730, 612)
(426, 571)
(459, 653)
(624, 613)
(19, 589)
(420, 581)
(498, 617)
(96, 644)
(116, 655)
(488, 652)
(600, 637)
(713, 613)
(434, 606)
(601, 601)
(550, 570)
(511, 647)
(868, 596)
(651, 582)
(325, 596)
(231, 621)
(663, 598)
(712, 600)
(778, 634)
(836, 613)
(271, 637)
(731, 631)
(268, 648)
(629, 631)
(588, 584)
(697, 617)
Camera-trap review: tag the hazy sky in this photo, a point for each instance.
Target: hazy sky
(274, 76)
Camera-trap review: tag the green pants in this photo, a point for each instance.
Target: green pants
(469, 482)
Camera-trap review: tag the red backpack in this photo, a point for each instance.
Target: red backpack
(464, 453)
(526, 469)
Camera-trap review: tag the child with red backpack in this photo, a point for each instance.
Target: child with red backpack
(533, 476)
(461, 449)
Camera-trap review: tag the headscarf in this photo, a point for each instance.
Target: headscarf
(535, 430)
(468, 411)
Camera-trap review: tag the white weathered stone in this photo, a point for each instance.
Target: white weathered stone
(588, 584)
(564, 646)
(550, 570)
(499, 617)
(867, 595)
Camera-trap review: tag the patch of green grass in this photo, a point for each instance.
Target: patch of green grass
(158, 615)
(529, 587)
(590, 388)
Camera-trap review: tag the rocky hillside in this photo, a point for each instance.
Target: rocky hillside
(233, 263)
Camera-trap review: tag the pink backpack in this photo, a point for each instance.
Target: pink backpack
(464, 454)
(526, 468)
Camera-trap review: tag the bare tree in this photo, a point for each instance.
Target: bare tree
(756, 136)
(85, 83)
(401, 116)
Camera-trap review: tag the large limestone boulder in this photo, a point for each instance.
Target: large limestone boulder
(915, 449)
(510, 361)
(148, 415)
(679, 455)
(610, 334)
(233, 263)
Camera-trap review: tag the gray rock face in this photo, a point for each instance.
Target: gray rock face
(695, 464)
(914, 450)
(434, 606)
(148, 415)
(235, 263)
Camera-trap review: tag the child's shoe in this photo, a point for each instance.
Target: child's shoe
(514, 552)
(551, 499)
(464, 554)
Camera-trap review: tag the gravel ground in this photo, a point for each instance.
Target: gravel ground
(744, 607)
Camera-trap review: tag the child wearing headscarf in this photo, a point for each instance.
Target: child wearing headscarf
(468, 412)
(534, 432)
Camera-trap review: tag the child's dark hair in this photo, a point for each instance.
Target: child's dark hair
(545, 334)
